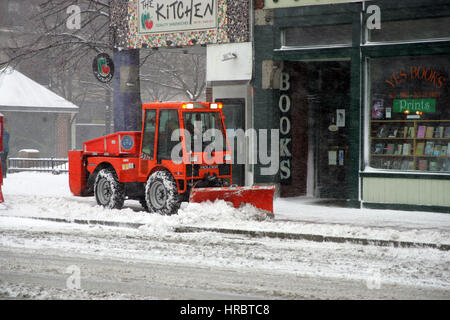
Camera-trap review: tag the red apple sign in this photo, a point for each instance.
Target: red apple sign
(105, 69)
(149, 24)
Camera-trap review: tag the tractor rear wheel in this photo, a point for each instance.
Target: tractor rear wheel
(109, 192)
(161, 193)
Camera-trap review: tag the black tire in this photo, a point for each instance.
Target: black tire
(143, 203)
(161, 193)
(108, 191)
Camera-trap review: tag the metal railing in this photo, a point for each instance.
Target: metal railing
(54, 165)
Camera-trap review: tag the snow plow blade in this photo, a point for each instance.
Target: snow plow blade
(260, 197)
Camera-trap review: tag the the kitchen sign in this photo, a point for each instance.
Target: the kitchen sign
(271, 4)
(163, 16)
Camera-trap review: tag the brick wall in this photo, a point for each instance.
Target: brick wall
(62, 135)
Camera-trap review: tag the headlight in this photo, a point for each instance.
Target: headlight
(227, 157)
(194, 158)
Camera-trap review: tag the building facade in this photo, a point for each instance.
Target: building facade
(360, 92)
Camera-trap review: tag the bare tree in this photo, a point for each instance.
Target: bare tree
(67, 55)
(175, 74)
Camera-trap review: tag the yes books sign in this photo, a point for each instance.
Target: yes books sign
(164, 16)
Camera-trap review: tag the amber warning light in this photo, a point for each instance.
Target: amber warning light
(216, 106)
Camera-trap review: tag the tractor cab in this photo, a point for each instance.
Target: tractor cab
(189, 140)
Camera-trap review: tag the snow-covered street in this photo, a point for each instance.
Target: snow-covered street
(153, 261)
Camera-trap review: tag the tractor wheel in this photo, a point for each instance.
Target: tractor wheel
(161, 193)
(143, 203)
(109, 192)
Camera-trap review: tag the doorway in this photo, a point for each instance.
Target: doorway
(234, 113)
(321, 103)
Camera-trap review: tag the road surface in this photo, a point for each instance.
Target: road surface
(49, 260)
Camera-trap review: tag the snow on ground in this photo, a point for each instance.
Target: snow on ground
(211, 250)
(23, 291)
(46, 195)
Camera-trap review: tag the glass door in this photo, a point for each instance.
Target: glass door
(234, 113)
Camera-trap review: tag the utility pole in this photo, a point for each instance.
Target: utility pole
(127, 91)
(108, 107)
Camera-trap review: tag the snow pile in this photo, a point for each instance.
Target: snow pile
(31, 194)
(218, 211)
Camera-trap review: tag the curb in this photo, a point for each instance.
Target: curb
(319, 238)
(257, 234)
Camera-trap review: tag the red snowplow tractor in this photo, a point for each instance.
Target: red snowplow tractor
(181, 154)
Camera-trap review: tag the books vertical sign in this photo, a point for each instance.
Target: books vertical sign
(284, 105)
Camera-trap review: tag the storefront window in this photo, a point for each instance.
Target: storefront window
(318, 36)
(411, 30)
(409, 112)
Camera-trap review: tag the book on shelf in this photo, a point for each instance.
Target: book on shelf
(411, 165)
(447, 132)
(382, 132)
(406, 149)
(420, 148)
(429, 147)
(448, 149)
(421, 132)
(375, 163)
(390, 148)
(379, 148)
(439, 133)
(429, 132)
(437, 150)
(399, 149)
(393, 132)
(405, 164)
(404, 132)
(411, 132)
(434, 166)
(447, 165)
(443, 151)
(423, 164)
(396, 164)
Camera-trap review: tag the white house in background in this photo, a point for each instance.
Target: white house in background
(37, 117)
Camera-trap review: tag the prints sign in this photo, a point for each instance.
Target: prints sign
(284, 105)
(413, 105)
(164, 16)
(103, 68)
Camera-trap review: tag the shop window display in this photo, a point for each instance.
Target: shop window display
(409, 112)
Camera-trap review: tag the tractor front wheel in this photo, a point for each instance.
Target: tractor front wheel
(109, 192)
(161, 193)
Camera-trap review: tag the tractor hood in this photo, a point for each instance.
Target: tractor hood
(116, 144)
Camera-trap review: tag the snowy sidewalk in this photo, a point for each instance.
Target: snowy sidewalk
(310, 210)
(47, 196)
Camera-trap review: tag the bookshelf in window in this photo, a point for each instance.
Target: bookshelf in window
(422, 145)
